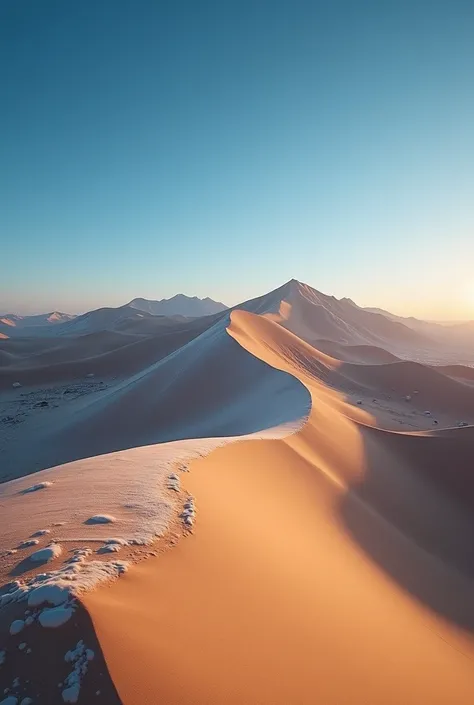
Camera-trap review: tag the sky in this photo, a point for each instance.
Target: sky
(222, 148)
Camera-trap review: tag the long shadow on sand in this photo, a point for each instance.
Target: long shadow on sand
(412, 514)
(412, 510)
(41, 672)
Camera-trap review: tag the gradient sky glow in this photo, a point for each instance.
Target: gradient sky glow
(221, 148)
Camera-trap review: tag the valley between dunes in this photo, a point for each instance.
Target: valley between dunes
(332, 566)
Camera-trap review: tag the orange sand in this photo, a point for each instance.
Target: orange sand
(329, 567)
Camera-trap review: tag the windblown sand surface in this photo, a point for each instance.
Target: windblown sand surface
(326, 567)
(327, 556)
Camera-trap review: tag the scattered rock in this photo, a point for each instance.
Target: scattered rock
(110, 548)
(9, 700)
(35, 488)
(47, 554)
(27, 544)
(188, 512)
(408, 397)
(53, 617)
(101, 519)
(50, 594)
(173, 482)
(16, 385)
(79, 657)
(41, 404)
(90, 375)
(16, 626)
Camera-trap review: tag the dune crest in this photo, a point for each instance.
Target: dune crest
(315, 559)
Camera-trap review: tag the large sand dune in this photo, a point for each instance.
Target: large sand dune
(329, 566)
(331, 559)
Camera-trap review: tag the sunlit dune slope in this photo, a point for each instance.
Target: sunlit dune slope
(329, 567)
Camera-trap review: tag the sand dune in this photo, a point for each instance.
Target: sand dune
(458, 371)
(326, 565)
(331, 557)
(434, 390)
(161, 402)
(356, 353)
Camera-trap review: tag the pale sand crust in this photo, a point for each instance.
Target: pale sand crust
(323, 568)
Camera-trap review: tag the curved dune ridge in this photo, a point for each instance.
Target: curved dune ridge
(327, 556)
(333, 565)
(167, 400)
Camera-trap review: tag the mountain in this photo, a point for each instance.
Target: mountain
(179, 305)
(11, 323)
(305, 311)
(123, 319)
(312, 315)
(454, 333)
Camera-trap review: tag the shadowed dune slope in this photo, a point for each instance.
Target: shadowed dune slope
(356, 353)
(208, 386)
(332, 566)
(434, 390)
(106, 354)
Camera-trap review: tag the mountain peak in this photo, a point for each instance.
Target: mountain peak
(179, 305)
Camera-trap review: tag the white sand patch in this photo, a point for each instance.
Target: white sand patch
(130, 486)
(44, 555)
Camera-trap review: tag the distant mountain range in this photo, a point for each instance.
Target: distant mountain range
(57, 323)
(310, 314)
(458, 332)
(179, 305)
(12, 325)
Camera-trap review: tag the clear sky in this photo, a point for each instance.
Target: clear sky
(221, 148)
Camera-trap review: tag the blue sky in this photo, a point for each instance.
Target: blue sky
(221, 148)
